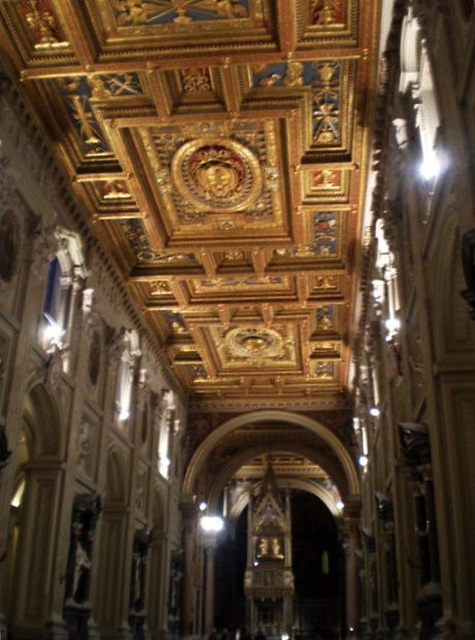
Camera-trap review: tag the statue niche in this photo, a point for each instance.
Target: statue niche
(137, 584)
(77, 608)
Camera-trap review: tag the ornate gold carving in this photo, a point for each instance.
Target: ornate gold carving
(326, 12)
(159, 287)
(180, 12)
(326, 282)
(293, 75)
(255, 343)
(217, 175)
(44, 27)
(325, 370)
(196, 80)
(115, 189)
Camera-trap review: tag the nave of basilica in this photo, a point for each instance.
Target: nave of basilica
(237, 305)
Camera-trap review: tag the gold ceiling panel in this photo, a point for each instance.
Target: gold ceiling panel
(219, 148)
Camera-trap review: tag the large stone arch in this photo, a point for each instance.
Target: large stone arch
(292, 483)
(35, 510)
(116, 479)
(239, 460)
(113, 551)
(43, 424)
(329, 438)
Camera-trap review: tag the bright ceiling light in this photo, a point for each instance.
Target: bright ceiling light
(430, 167)
(124, 415)
(392, 325)
(53, 333)
(363, 461)
(212, 524)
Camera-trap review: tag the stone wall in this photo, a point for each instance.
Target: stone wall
(88, 495)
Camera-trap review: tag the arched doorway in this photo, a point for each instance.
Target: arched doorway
(314, 463)
(34, 514)
(112, 596)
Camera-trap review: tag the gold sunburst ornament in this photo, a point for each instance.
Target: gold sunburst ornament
(217, 175)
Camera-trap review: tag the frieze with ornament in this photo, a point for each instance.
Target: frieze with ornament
(325, 228)
(176, 12)
(216, 174)
(254, 346)
(196, 80)
(327, 184)
(216, 284)
(135, 233)
(326, 349)
(325, 370)
(326, 283)
(76, 92)
(122, 85)
(115, 190)
(325, 317)
(326, 234)
(326, 12)
(198, 372)
(79, 93)
(159, 288)
(324, 80)
(175, 321)
(45, 29)
(224, 171)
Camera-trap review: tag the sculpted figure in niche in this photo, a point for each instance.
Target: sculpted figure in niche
(263, 547)
(86, 509)
(82, 565)
(137, 584)
(276, 552)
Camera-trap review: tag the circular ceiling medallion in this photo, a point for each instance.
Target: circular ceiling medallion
(253, 342)
(217, 174)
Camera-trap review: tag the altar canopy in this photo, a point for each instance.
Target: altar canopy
(269, 581)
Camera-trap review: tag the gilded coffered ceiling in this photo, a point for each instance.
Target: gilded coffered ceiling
(219, 148)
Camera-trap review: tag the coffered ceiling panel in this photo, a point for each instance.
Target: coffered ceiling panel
(219, 149)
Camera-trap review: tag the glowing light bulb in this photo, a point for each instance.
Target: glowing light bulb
(363, 461)
(124, 415)
(430, 167)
